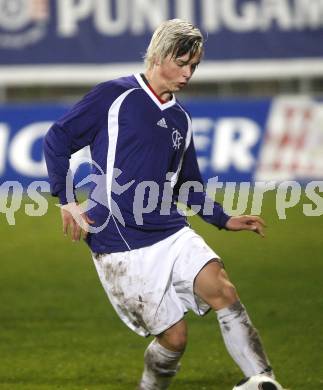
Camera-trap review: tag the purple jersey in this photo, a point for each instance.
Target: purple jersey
(142, 152)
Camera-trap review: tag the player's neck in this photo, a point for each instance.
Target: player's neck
(158, 86)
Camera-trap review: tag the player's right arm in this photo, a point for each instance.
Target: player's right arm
(75, 221)
(77, 129)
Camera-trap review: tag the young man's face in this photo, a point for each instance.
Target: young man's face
(175, 73)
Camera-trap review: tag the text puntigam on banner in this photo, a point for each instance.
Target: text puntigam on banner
(109, 32)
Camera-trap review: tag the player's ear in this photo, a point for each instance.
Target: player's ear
(156, 60)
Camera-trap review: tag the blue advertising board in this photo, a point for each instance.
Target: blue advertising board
(236, 140)
(109, 31)
(231, 130)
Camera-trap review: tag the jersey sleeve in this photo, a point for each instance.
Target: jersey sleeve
(190, 172)
(71, 133)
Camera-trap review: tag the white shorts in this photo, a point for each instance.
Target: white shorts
(151, 288)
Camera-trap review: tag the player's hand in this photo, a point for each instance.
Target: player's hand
(75, 221)
(247, 222)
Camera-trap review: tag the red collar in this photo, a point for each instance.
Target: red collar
(162, 101)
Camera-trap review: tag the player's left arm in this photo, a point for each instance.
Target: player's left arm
(190, 172)
(252, 223)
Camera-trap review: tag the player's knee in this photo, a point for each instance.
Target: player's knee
(229, 292)
(225, 296)
(178, 342)
(174, 339)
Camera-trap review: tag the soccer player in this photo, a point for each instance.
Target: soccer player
(152, 265)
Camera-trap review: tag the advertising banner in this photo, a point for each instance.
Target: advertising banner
(107, 33)
(235, 140)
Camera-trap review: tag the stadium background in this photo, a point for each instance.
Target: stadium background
(257, 111)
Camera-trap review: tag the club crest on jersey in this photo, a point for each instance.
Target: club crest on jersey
(177, 139)
(162, 123)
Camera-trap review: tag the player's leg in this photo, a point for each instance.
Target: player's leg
(240, 336)
(162, 357)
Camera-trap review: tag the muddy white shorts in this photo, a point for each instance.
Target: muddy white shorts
(151, 288)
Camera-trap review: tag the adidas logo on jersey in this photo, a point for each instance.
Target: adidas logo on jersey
(162, 123)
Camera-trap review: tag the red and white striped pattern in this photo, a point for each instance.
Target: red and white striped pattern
(293, 143)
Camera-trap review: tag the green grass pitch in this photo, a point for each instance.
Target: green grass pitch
(58, 331)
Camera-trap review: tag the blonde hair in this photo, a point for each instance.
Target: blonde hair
(174, 37)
